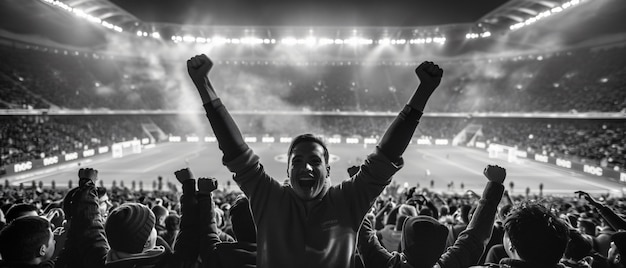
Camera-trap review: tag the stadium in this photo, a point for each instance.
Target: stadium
(535, 86)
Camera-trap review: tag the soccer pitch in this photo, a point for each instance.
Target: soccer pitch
(422, 164)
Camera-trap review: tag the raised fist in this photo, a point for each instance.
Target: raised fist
(586, 196)
(198, 68)
(495, 173)
(429, 74)
(207, 185)
(183, 175)
(87, 175)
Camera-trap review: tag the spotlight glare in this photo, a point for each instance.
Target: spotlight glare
(289, 41)
(310, 41)
(326, 41)
(384, 41)
(219, 40)
(189, 38)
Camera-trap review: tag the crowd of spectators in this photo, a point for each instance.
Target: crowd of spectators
(582, 230)
(61, 79)
(24, 138)
(598, 142)
(582, 80)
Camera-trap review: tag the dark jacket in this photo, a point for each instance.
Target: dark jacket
(513, 263)
(46, 264)
(86, 244)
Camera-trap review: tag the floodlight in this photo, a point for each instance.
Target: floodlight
(189, 38)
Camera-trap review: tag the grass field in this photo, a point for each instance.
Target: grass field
(441, 164)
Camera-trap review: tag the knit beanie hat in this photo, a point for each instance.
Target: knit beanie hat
(129, 226)
(423, 241)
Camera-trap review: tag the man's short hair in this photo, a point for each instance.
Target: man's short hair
(538, 236)
(160, 211)
(172, 223)
(308, 138)
(18, 210)
(21, 240)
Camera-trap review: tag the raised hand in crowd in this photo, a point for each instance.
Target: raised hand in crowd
(430, 75)
(612, 219)
(87, 176)
(198, 68)
(207, 185)
(86, 244)
(588, 197)
(495, 173)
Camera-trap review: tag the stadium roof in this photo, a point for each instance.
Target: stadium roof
(344, 13)
(271, 18)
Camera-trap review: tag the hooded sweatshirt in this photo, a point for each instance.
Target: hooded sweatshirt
(317, 233)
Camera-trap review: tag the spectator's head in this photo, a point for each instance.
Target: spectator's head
(423, 241)
(242, 221)
(425, 212)
(617, 250)
(104, 202)
(219, 218)
(444, 211)
(533, 234)
(160, 213)
(392, 216)
(465, 213)
(172, 223)
(578, 247)
(504, 211)
(586, 226)
(400, 222)
(21, 210)
(409, 194)
(130, 228)
(308, 168)
(407, 210)
(27, 240)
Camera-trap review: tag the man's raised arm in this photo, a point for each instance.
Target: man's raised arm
(226, 131)
(400, 132)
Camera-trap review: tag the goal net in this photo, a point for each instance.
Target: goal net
(504, 152)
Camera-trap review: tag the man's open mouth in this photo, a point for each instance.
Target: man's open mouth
(306, 182)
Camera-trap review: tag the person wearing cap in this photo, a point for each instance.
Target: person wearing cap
(308, 222)
(424, 238)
